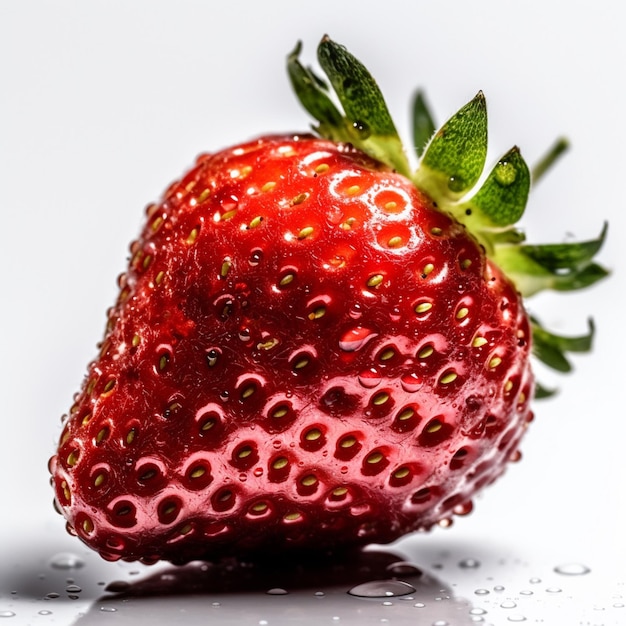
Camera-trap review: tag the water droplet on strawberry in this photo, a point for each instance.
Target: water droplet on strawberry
(411, 382)
(382, 589)
(369, 378)
(355, 338)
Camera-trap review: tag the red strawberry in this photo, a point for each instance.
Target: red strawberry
(309, 350)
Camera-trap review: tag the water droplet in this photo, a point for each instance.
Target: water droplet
(355, 338)
(516, 618)
(440, 622)
(277, 591)
(526, 592)
(362, 130)
(534, 581)
(506, 173)
(618, 605)
(370, 378)
(66, 560)
(355, 312)
(404, 568)
(481, 592)
(319, 594)
(477, 611)
(554, 590)
(508, 604)
(411, 382)
(44, 612)
(469, 564)
(419, 605)
(53, 595)
(216, 605)
(108, 609)
(572, 569)
(117, 586)
(7, 614)
(498, 588)
(382, 589)
(73, 589)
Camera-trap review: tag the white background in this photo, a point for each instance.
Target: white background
(104, 103)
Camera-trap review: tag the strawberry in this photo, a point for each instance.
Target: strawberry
(315, 345)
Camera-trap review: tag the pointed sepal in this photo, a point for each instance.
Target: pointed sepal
(455, 157)
(552, 349)
(423, 123)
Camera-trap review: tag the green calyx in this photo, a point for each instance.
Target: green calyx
(349, 107)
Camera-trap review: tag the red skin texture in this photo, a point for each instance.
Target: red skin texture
(276, 383)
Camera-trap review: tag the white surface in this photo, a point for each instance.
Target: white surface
(105, 102)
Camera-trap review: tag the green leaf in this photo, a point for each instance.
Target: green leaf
(423, 124)
(542, 392)
(552, 349)
(566, 256)
(367, 117)
(501, 200)
(455, 157)
(312, 92)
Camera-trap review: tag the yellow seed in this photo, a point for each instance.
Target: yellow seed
(158, 279)
(522, 398)
(281, 411)
(86, 419)
(466, 263)
(186, 529)
(190, 185)
(245, 171)
(425, 352)
(66, 491)
(436, 231)
(102, 435)
(347, 225)
(259, 507)
(208, 424)
(163, 361)
(340, 491)
(387, 354)
(157, 223)
(434, 427)
(478, 342)
(354, 189)
(130, 437)
(394, 242)
(198, 472)
(406, 415)
(320, 311)
(99, 479)
(135, 341)
(267, 345)
(494, 362)
(313, 435)
(268, 186)
(256, 221)
(322, 168)
(380, 398)
(286, 279)
(375, 457)
(302, 363)
(299, 199)
(292, 517)
(244, 453)
(109, 385)
(462, 313)
(375, 280)
(390, 206)
(193, 235)
(204, 195)
(309, 481)
(508, 386)
(403, 472)
(305, 232)
(423, 307)
(146, 261)
(88, 525)
(347, 442)
(280, 463)
(446, 379)
(428, 268)
(228, 215)
(248, 391)
(72, 458)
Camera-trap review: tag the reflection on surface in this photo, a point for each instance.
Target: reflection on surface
(362, 587)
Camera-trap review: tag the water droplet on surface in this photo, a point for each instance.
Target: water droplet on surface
(44, 612)
(440, 622)
(554, 590)
(481, 592)
(508, 604)
(572, 569)
(73, 589)
(53, 595)
(516, 618)
(478, 611)
(382, 589)
(108, 609)
(319, 594)
(534, 581)
(404, 568)
(277, 591)
(419, 605)
(117, 586)
(7, 614)
(355, 338)
(498, 588)
(469, 564)
(526, 592)
(66, 560)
